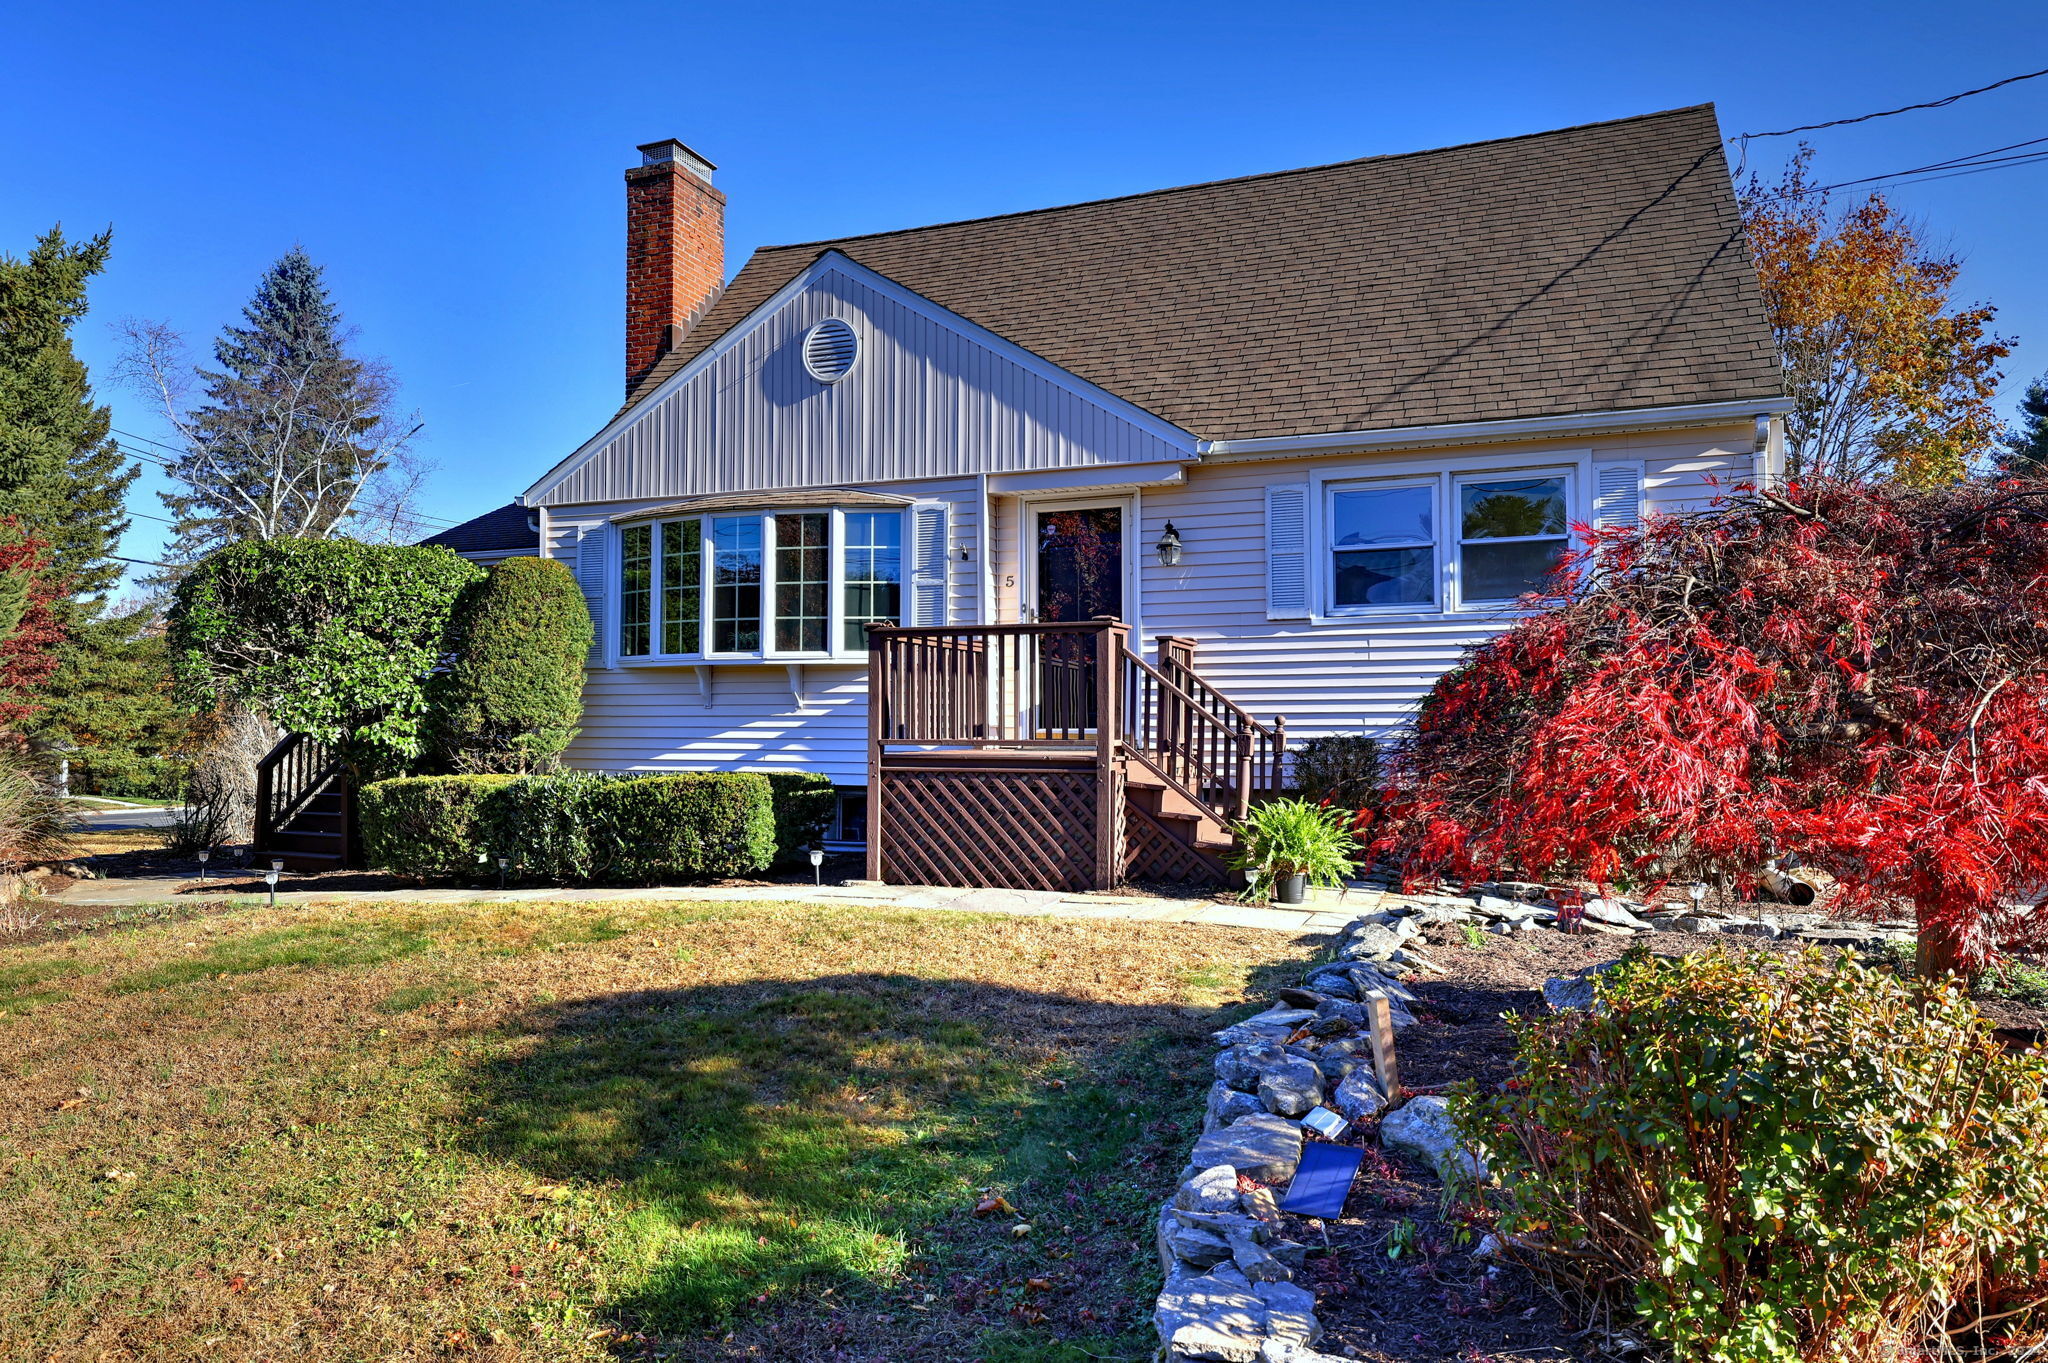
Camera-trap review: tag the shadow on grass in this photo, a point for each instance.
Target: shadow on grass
(833, 1135)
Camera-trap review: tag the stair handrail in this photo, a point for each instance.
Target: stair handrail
(288, 777)
(1252, 745)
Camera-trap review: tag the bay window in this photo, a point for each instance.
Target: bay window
(636, 590)
(874, 572)
(767, 584)
(735, 584)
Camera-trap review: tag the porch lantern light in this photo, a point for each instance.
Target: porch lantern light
(1169, 547)
(818, 865)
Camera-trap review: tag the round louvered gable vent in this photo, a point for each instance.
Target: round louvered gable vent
(830, 348)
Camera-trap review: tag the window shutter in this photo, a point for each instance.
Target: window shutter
(1287, 552)
(593, 573)
(928, 565)
(1617, 496)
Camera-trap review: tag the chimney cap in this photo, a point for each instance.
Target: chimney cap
(668, 149)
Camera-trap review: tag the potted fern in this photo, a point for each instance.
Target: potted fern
(1288, 845)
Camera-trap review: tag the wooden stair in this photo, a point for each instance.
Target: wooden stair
(1052, 757)
(305, 809)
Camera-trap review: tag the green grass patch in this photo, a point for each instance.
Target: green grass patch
(24, 984)
(322, 946)
(661, 1119)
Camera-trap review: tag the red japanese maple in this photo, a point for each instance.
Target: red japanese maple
(27, 653)
(1855, 674)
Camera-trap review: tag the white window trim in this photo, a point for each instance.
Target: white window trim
(833, 652)
(1447, 473)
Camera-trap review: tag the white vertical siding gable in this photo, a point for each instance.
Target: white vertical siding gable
(930, 395)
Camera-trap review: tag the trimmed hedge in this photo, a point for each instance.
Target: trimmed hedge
(427, 825)
(574, 828)
(510, 699)
(804, 805)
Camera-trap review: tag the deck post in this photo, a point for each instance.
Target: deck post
(1245, 750)
(877, 691)
(1279, 755)
(1109, 652)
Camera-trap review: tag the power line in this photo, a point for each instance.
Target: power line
(1942, 103)
(1990, 159)
(163, 463)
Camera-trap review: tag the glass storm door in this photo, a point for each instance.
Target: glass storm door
(1080, 575)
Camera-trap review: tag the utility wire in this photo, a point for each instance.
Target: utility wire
(1989, 159)
(162, 463)
(1942, 103)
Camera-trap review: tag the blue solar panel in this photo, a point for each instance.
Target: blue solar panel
(1323, 1181)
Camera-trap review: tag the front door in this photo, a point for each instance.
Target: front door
(1079, 576)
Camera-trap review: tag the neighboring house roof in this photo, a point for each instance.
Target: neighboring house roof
(507, 528)
(1596, 268)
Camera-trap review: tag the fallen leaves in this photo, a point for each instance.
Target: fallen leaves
(994, 1204)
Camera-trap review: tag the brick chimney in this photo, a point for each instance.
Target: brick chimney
(675, 251)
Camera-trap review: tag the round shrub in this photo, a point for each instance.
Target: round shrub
(510, 699)
(1776, 1158)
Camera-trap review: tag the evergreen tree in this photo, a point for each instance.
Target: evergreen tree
(111, 700)
(295, 436)
(62, 482)
(61, 478)
(2026, 445)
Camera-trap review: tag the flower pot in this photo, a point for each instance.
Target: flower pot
(1290, 890)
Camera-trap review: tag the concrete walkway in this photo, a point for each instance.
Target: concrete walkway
(1327, 911)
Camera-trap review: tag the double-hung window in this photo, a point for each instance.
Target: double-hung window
(766, 584)
(1442, 541)
(1511, 532)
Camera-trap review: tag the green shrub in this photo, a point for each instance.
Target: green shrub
(1777, 1158)
(428, 825)
(804, 804)
(1284, 838)
(573, 827)
(328, 638)
(511, 696)
(646, 829)
(1343, 769)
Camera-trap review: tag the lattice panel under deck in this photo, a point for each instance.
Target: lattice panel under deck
(1026, 830)
(1152, 852)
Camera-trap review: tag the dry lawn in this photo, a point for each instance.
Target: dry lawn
(580, 1131)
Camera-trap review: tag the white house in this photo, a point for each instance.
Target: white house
(1326, 424)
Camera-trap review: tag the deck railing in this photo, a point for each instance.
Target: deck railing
(987, 685)
(1071, 686)
(287, 779)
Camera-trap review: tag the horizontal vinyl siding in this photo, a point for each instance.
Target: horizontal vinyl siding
(922, 401)
(1345, 676)
(653, 718)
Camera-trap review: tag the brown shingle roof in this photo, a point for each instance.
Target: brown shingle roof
(1594, 268)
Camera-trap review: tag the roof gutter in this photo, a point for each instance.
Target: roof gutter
(1489, 432)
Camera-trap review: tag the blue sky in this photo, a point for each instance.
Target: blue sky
(456, 167)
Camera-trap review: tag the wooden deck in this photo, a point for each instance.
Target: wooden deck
(1052, 757)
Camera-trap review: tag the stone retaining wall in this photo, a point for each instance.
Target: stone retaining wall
(1230, 1295)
